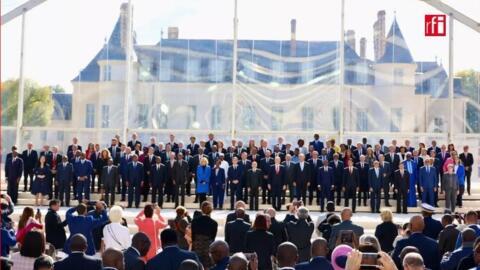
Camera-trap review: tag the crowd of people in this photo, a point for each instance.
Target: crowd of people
(318, 171)
(99, 238)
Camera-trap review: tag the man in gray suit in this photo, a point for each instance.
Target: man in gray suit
(345, 225)
(181, 178)
(110, 179)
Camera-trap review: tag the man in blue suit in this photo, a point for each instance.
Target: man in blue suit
(125, 158)
(134, 181)
(317, 144)
(83, 174)
(13, 173)
(171, 256)
(235, 174)
(375, 184)
(77, 260)
(428, 180)
(325, 183)
(427, 247)
(276, 183)
(83, 224)
(64, 180)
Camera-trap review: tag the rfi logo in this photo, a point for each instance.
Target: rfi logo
(435, 25)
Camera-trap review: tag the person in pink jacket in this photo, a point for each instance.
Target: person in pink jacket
(448, 161)
(151, 222)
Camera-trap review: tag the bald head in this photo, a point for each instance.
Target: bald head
(287, 254)
(113, 258)
(346, 214)
(238, 262)
(218, 250)
(417, 224)
(413, 261)
(78, 242)
(319, 247)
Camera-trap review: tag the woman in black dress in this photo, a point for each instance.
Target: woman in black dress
(101, 162)
(40, 183)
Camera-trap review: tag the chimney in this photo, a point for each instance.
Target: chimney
(379, 40)
(350, 39)
(123, 24)
(363, 47)
(293, 37)
(173, 32)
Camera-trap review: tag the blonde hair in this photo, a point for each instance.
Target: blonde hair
(116, 214)
(204, 161)
(386, 215)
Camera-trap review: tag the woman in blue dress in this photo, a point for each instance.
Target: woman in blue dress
(411, 167)
(40, 185)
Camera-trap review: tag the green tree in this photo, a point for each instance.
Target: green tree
(37, 106)
(471, 87)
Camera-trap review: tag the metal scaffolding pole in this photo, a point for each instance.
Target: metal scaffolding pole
(342, 72)
(450, 78)
(21, 84)
(128, 49)
(234, 70)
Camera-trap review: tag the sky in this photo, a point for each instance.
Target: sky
(63, 36)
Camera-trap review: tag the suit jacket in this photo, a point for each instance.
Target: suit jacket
(112, 178)
(170, 259)
(279, 231)
(303, 177)
(317, 145)
(13, 169)
(432, 228)
(350, 180)
(135, 174)
(78, 261)
(84, 169)
(363, 175)
(232, 217)
(394, 162)
(314, 264)
(54, 229)
(265, 165)
(300, 233)
(132, 259)
(117, 151)
(83, 225)
(29, 162)
(428, 249)
(235, 174)
(467, 160)
(181, 172)
(158, 176)
(193, 148)
(217, 179)
(132, 144)
(276, 180)
(263, 243)
(428, 180)
(375, 182)
(254, 179)
(289, 172)
(235, 232)
(337, 172)
(346, 225)
(325, 179)
(402, 183)
(70, 148)
(447, 239)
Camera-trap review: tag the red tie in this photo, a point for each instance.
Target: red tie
(277, 169)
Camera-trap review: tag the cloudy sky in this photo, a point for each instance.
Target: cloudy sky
(62, 36)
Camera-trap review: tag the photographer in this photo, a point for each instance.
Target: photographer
(355, 261)
(6, 208)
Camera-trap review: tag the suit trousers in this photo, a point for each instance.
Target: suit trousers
(180, 195)
(301, 193)
(428, 196)
(55, 186)
(12, 190)
(83, 189)
(468, 176)
(450, 199)
(338, 190)
(461, 190)
(276, 199)
(109, 190)
(266, 194)
(92, 188)
(365, 197)
(386, 193)
(134, 190)
(312, 189)
(123, 187)
(350, 193)
(27, 174)
(325, 195)
(375, 200)
(146, 188)
(402, 201)
(64, 192)
(235, 194)
(218, 196)
(254, 199)
(157, 189)
(188, 186)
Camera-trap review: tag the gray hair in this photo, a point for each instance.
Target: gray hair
(302, 212)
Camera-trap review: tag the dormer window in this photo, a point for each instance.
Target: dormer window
(397, 76)
(107, 73)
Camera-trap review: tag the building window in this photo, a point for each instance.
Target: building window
(165, 71)
(307, 118)
(43, 135)
(105, 116)
(60, 135)
(395, 119)
(362, 120)
(307, 71)
(192, 116)
(142, 118)
(90, 116)
(335, 118)
(277, 74)
(194, 70)
(248, 117)
(161, 116)
(216, 117)
(107, 73)
(220, 70)
(361, 73)
(438, 124)
(397, 76)
(277, 118)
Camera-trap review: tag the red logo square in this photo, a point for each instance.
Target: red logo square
(435, 25)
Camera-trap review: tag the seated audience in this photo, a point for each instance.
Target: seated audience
(78, 260)
(190, 265)
(134, 254)
(413, 261)
(32, 248)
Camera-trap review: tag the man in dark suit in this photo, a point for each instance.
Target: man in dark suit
(30, 160)
(181, 178)
(314, 163)
(235, 175)
(134, 141)
(467, 160)
(325, 183)
(427, 247)
(134, 180)
(235, 232)
(210, 143)
(434, 147)
(125, 159)
(317, 144)
(148, 161)
(171, 256)
(64, 179)
(337, 166)
(363, 168)
(428, 180)
(302, 178)
(401, 187)
(74, 146)
(300, 234)
(276, 183)
(158, 174)
(83, 173)
(114, 148)
(56, 159)
(110, 178)
(345, 225)
(265, 164)
(448, 236)
(13, 173)
(133, 255)
(393, 158)
(319, 257)
(193, 146)
(77, 260)
(387, 178)
(277, 228)
(375, 183)
(289, 177)
(54, 227)
(350, 184)
(254, 180)
(232, 215)
(246, 165)
(170, 184)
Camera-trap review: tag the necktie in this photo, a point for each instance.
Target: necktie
(276, 169)
(109, 168)
(158, 167)
(428, 169)
(29, 152)
(326, 169)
